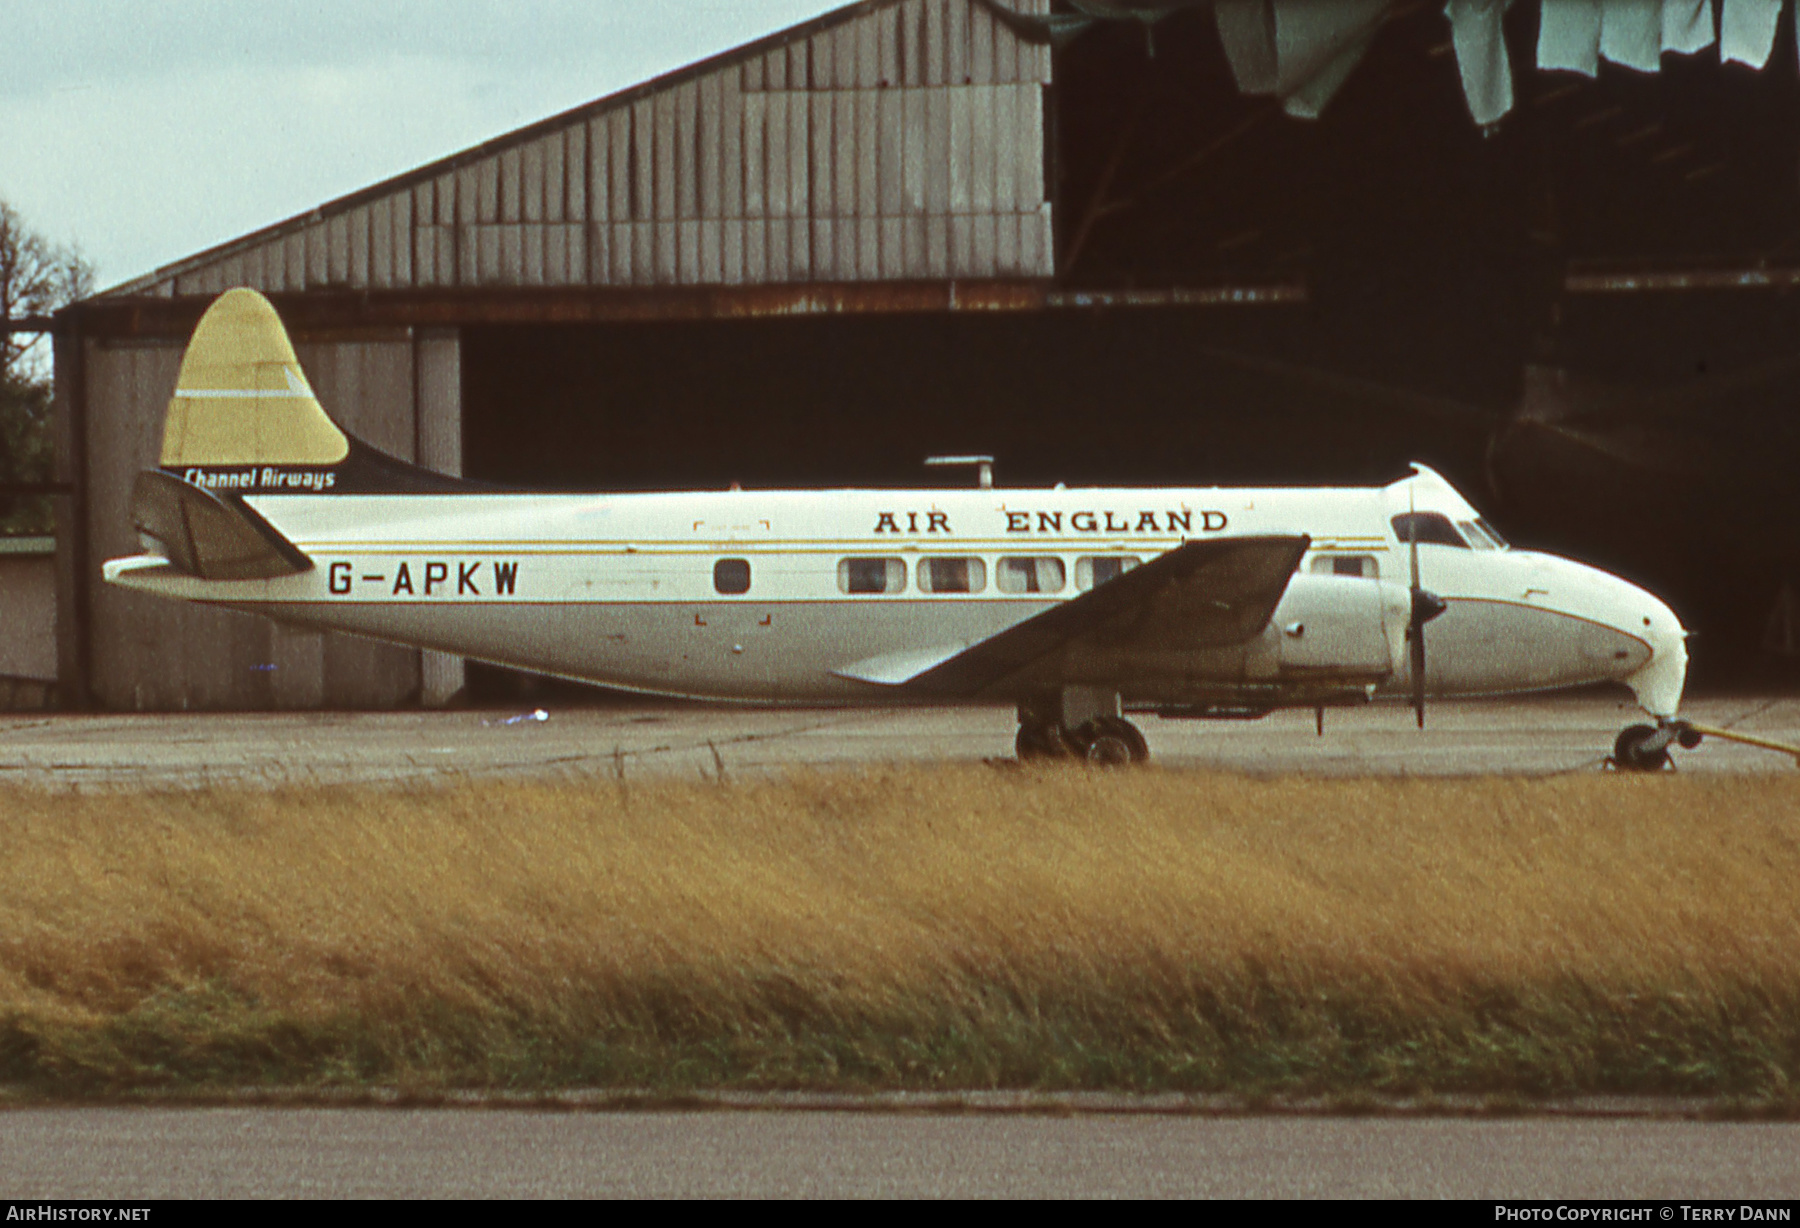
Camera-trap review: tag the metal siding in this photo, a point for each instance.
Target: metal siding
(868, 51)
(294, 248)
(140, 644)
(756, 250)
(712, 196)
(733, 239)
(599, 253)
(381, 244)
(575, 173)
(555, 254)
(685, 151)
(799, 68)
(530, 165)
(755, 153)
(531, 253)
(512, 185)
(956, 42)
(890, 150)
(887, 33)
(853, 143)
(981, 46)
(712, 251)
(687, 252)
(1007, 139)
(775, 162)
(732, 147)
(843, 58)
(359, 247)
(643, 161)
(621, 161)
(842, 167)
(800, 267)
(337, 250)
(487, 191)
(599, 188)
(913, 134)
(936, 41)
(643, 253)
(868, 143)
(555, 188)
(1006, 243)
(799, 149)
(776, 246)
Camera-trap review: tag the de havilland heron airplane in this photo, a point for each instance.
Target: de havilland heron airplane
(1076, 605)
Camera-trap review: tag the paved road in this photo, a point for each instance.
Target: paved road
(1538, 736)
(265, 1153)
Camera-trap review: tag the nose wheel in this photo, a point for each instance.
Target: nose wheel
(1645, 748)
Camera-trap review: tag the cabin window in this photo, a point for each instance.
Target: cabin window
(1432, 528)
(1098, 569)
(955, 575)
(871, 576)
(1345, 565)
(1042, 574)
(731, 576)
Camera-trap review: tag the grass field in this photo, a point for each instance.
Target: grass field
(912, 928)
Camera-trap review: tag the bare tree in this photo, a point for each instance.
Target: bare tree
(37, 277)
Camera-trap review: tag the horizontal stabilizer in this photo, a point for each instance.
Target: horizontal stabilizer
(207, 537)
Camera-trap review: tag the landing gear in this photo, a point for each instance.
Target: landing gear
(1079, 724)
(1112, 741)
(1645, 748)
(1641, 748)
(1040, 740)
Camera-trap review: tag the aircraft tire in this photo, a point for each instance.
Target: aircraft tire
(1112, 741)
(1036, 742)
(1629, 754)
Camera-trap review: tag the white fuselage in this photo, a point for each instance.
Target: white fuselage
(777, 595)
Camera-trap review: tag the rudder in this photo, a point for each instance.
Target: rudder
(241, 397)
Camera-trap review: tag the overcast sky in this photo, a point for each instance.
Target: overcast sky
(144, 132)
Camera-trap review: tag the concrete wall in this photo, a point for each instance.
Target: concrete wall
(27, 623)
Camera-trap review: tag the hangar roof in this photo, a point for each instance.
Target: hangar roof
(889, 140)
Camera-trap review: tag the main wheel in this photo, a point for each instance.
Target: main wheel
(1111, 741)
(1040, 741)
(1631, 752)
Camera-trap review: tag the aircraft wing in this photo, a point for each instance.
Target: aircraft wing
(1204, 594)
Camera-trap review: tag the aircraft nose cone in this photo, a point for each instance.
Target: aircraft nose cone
(1659, 682)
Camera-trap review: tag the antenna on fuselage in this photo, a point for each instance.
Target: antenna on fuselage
(984, 467)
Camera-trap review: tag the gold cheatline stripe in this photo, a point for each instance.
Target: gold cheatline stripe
(581, 549)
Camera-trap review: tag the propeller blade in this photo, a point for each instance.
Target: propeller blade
(1415, 630)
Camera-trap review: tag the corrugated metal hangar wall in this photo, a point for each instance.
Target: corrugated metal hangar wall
(818, 258)
(896, 142)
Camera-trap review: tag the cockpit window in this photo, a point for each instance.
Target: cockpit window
(1486, 526)
(1474, 536)
(1431, 527)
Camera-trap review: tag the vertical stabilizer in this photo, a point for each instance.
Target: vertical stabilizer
(242, 399)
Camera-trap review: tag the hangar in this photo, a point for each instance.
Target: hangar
(1251, 240)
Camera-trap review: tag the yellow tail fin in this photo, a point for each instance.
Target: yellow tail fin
(242, 399)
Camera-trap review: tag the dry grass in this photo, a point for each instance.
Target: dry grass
(954, 928)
